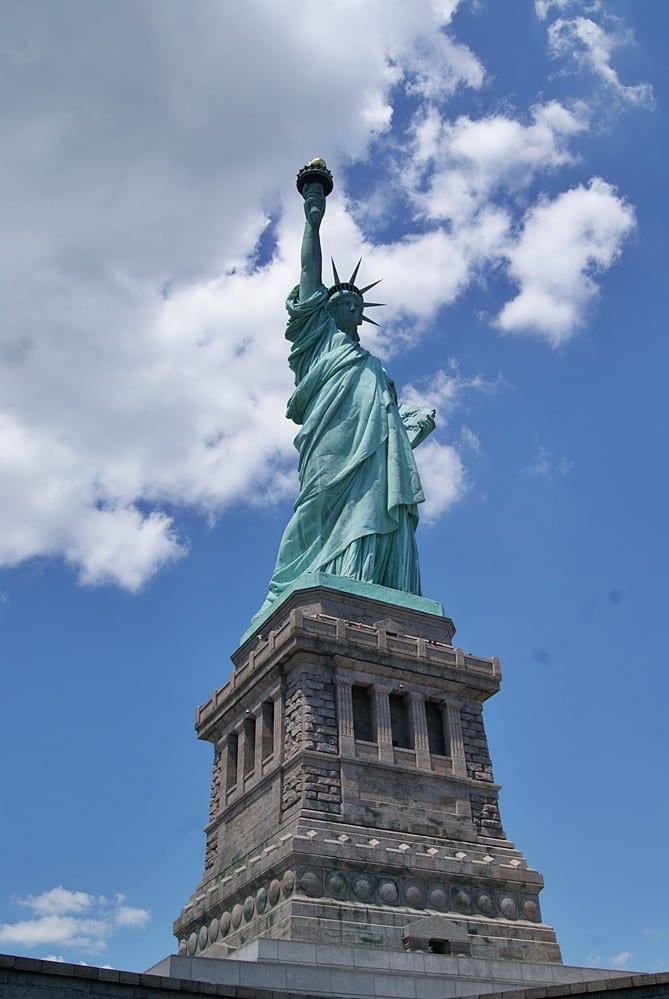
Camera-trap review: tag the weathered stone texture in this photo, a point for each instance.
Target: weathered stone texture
(311, 713)
(316, 786)
(210, 852)
(320, 836)
(322, 788)
(479, 765)
(215, 798)
(211, 848)
(485, 815)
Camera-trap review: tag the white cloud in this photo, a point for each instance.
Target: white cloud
(441, 467)
(469, 439)
(69, 931)
(143, 368)
(621, 960)
(592, 47)
(443, 477)
(449, 390)
(464, 161)
(131, 166)
(128, 915)
(543, 7)
(71, 919)
(561, 245)
(120, 545)
(59, 959)
(58, 901)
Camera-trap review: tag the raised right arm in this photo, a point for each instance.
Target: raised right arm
(311, 258)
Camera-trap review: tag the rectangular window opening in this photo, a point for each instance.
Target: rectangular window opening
(231, 769)
(249, 745)
(399, 722)
(267, 729)
(435, 729)
(363, 718)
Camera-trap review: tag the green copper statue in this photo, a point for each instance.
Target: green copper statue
(356, 513)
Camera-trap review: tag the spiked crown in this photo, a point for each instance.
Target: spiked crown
(340, 287)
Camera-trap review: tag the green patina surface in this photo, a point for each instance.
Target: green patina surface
(344, 584)
(357, 509)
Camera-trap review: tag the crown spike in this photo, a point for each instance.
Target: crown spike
(374, 305)
(337, 279)
(366, 319)
(355, 272)
(372, 285)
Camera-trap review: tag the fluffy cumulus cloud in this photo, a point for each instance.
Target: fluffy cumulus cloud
(457, 165)
(589, 42)
(130, 915)
(544, 7)
(592, 46)
(443, 476)
(144, 366)
(70, 919)
(562, 243)
(58, 901)
(151, 235)
(449, 391)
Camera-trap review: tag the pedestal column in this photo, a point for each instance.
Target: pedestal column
(384, 731)
(345, 718)
(421, 740)
(456, 743)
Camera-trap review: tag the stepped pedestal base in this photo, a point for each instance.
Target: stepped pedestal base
(353, 801)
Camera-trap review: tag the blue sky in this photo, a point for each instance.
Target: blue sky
(502, 167)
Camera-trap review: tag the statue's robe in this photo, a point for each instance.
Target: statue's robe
(356, 512)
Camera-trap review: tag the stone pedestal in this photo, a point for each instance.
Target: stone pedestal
(353, 801)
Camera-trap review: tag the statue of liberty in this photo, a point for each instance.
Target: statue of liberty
(356, 512)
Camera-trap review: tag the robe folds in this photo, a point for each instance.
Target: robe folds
(356, 512)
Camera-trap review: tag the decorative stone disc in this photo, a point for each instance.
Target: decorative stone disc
(485, 904)
(213, 930)
(261, 899)
(414, 894)
(507, 906)
(363, 887)
(388, 892)
(249, 908)
(237, 913)
(438, 898)
(274, 891)
(335, 883)
(309, 882)
(288, 884)
(462, 900)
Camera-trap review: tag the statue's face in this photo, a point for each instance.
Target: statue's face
(346, 310)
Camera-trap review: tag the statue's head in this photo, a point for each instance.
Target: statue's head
(346, 309)
(346, 302)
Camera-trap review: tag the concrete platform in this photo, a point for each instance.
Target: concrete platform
(320, 970)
